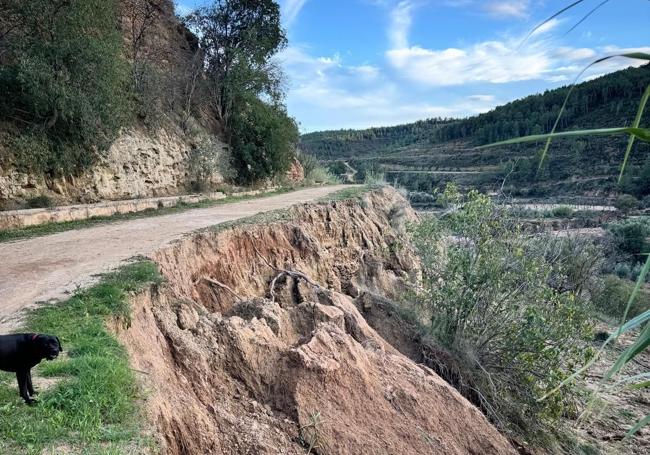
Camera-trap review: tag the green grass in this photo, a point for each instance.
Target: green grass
(353, 192)
(94, 406)
(7, 235)
(279, 215)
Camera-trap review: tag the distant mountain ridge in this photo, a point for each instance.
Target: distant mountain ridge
(438, 146)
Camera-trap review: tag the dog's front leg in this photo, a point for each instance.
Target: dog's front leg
(21, 376)
(30, 386)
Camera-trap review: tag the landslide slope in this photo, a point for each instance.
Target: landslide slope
(243, 357)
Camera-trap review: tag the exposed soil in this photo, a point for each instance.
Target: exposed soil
(235, 365)
(51, 267)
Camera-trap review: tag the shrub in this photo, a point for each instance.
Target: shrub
(614, 294)
(39, 202)
(626, 203)
(307, 161)
(499, 306)
(374, 178)
(321, 175)
(263, 140)
(314, 171)
(629, 237)
(64, 84)
(562, 211)
(207, 158)
(337, 167)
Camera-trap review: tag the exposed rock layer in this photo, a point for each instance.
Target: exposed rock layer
(236, 368)
(142, 162)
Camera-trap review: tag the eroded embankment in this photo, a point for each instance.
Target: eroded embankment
(235, 368)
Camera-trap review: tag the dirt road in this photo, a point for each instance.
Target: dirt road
(53, 266)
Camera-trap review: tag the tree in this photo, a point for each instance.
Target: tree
(62, 79)
(263, 140)
(139, 17)
(238, 38)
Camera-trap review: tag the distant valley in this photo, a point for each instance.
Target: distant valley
(424, 155)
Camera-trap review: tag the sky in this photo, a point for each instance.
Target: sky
(363, 63)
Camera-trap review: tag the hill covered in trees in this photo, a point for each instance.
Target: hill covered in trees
(424, 154)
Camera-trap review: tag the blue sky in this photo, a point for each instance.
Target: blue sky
(362, 63)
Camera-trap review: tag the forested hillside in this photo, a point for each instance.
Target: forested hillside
(425, 154)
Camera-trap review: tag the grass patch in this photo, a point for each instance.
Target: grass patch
(279, 215)
(94, 405)
(7, 235)
(353, 192)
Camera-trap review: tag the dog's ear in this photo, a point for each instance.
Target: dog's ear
(60, 346)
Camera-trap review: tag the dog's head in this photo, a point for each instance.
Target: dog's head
(49, 345)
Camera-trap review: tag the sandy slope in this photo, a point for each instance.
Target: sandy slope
(51, 267)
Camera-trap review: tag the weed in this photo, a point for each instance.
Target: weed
(310, 434)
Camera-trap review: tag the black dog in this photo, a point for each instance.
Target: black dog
(19, 353)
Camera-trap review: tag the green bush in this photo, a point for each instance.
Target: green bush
(263, 140)
(206, 159)
(629, 237)
(314, 171)
(511, 318)
(337, 167)
(63, 84)
(613, 296)
(39, 202)
(562, 212)
(626, 203)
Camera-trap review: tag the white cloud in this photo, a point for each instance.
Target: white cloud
(498, 9)
(508, 9)
(547, 27)
(290, 10)
(482, 98)
(358, 96)
(182, 9)
(400, 24)
(490, 61)
(497, 61)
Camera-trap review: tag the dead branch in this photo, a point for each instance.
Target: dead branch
(285, 272)
(223, 286)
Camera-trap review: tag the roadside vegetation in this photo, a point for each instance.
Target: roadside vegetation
(91, 405)
(67, 92)
(510, 310)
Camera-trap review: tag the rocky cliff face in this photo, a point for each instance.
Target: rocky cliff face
(258, 342)
(142, 162)
(138, 164)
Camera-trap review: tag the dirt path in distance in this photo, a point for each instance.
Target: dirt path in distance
(52, 267)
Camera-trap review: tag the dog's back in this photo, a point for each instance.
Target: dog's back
(14, 351)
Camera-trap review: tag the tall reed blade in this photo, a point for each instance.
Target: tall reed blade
(637, 121)
(630, 55)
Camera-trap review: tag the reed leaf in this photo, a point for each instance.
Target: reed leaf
(586, 16)
(640, 424)
(549, 19)
(643, 340)
(630, 55)
(630, 379)
(635, 124)
(640, 133)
